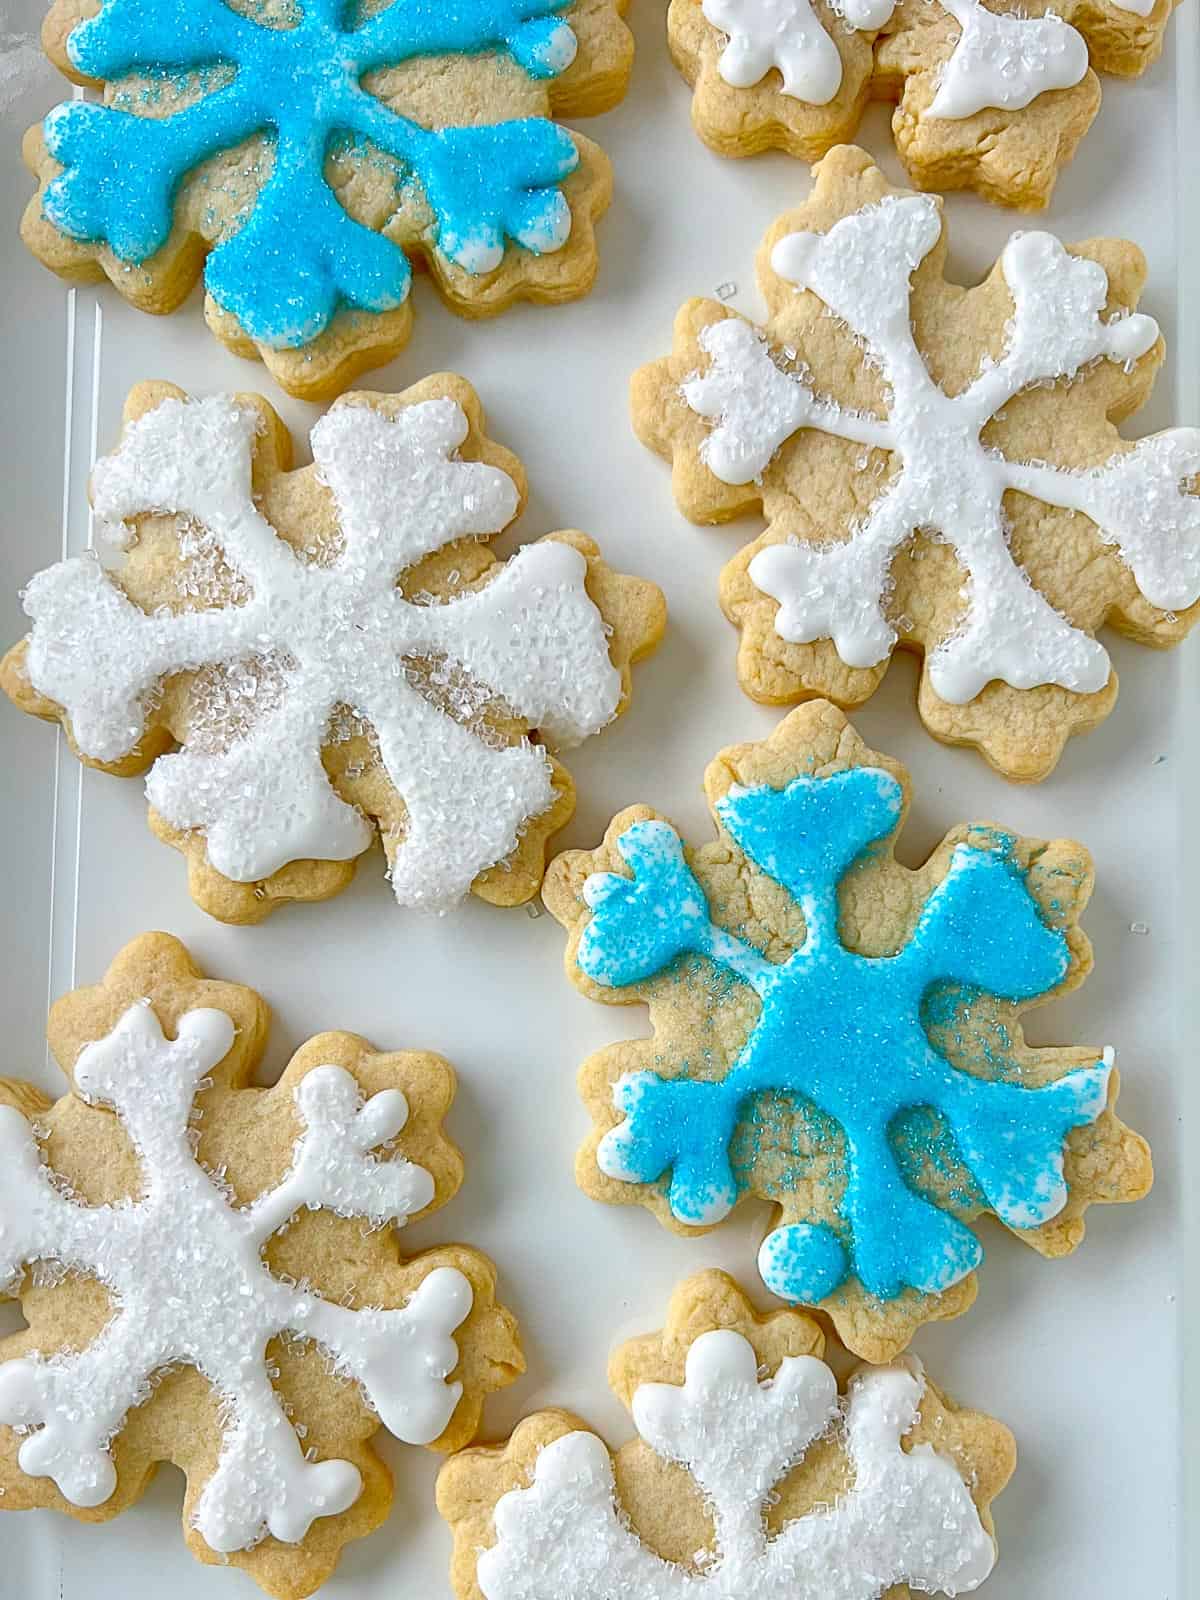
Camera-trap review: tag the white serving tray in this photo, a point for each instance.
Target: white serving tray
(1082, 1358)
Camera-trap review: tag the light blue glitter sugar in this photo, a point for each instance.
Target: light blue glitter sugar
(299, 256)
(844, 1032)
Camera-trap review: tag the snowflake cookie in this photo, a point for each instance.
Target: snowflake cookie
(308, 148)
(750, 1476)
(332, 650)
(991, 96)
(940, 468)
(840, 1035)
(210, 1276)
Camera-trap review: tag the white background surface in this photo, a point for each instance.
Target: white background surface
(1082, 1358)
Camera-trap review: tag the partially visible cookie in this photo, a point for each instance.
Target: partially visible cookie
(991, 96)
(331, 652)
(210, 1273)
(307, 150)
(940, 468)
(751, 1476)
(840, 1035)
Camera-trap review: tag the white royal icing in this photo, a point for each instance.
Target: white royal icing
(309, 637)
(948, 482)
(1000, 59)
(1006, 60)
(786, 34)
(908, 1516)
(189, 1286)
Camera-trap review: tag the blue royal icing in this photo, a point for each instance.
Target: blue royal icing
(298, 256)
(845, 1033)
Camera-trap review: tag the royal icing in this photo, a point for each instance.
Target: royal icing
(845, 1034)
(786, 34)
(298, 255)
(1006, 59)
(309, 636)
(184, 1267)
(948, 482)
(907, 1516)
(1001, 59)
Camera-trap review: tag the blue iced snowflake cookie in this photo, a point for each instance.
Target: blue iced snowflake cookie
(307, 148)
(839, 1034)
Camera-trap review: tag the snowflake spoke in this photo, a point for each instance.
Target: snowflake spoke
(858, 1533)
(292, 291)
(485, 184)
(263, 1483)
(834, 591)
(797, 45)
(402, 1358)
(466, 801)
(122, 170)
(862, 269)
(1056, 328)
(684, 1127)
(76, 1403)
(980, 927)
(37, 1221)
(98, 655)
(570, 1507)
(399, 492)
(331, 1164)
(756, 405)
(1006, 61)
(1021, 1173)
(127, 36)
(534, 636)
(150, 1081)
(640, 925)
(674, 1423)
(901, 1240)
(1139, 504)
(531, 31)
(194, 458)
(1010, 631)
(266, 799)
(812, 831)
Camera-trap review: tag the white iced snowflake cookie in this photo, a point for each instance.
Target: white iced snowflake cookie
(303, 658)
(937, 468)
(750, 1476)
(210, 1274)
(993, 97)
